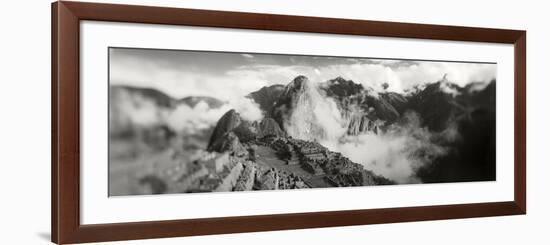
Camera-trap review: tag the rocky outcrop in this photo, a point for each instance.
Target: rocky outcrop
(268, 180)
(284, 105)
(297, 85)
(229, 121)
(363, 108)
(230, 179)
(228, 142)
(352, 96)
(359, 124)
(291, 181)
(246, 179)
(268, 127)
(229, 132)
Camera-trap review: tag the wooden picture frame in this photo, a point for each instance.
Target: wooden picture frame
(65, 100)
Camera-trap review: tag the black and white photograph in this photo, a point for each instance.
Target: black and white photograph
(275, 122)
(190, 121)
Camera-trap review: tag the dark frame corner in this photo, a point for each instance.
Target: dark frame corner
(65, 101)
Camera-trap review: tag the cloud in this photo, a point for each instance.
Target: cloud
(201, 116)
(131, 109)
(400, 78)
(230, 75)
(182, 83)
(395, 153)
(190, 119)
(127, 108)
(247, 108)
(405, 77)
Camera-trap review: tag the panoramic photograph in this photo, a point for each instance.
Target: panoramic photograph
(185, 121)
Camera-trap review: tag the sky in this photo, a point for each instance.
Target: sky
(227, 76)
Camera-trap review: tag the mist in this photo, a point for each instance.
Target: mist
(189, 119)
(315, 116)
(396, 153)
(137, 110)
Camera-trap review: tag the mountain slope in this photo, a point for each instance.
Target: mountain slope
(474, 150)
(150, 116)
(266, 97)
(385, 106)
(192, 101)
(230, 130)
(157, 97)
(460, 119)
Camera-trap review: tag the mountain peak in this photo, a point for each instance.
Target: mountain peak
(340, 87)
(298, 83)
(230, 131)
(269, 127)
(227, 123)
(300, 78)
(296, 87)
(339, 79)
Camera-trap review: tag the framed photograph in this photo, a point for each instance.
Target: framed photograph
(177, 122)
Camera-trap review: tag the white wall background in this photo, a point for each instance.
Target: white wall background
(25, 121)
